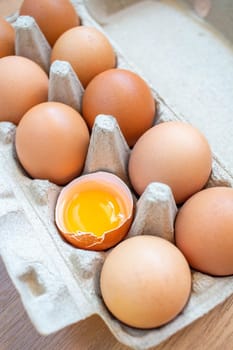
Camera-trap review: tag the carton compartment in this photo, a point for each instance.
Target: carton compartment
(188, 59)
(59, 284)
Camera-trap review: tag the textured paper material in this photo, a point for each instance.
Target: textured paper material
(59, 284)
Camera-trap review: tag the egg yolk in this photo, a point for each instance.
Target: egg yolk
(94, 211)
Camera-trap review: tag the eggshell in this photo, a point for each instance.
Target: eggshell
(87, 50)
(204, 231)
(54, 17)
(124, 95)
(23, 84)
(7, 38)
(145, 281)
(97, 181)
(173, 153)
(52, 141)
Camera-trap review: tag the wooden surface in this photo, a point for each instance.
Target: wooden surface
(214, 331)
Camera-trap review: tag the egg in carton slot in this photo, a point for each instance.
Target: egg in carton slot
(59, 284)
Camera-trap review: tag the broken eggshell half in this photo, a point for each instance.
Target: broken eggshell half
(80, 221)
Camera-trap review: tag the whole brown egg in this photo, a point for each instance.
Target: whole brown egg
(145, 281)
(7, 38)
(124, 95)
(174, 153)
(23, 84)
(54, 17)
(204, 231)
(52, 141)
(87, 50)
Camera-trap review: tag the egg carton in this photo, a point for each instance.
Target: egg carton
(59, 284)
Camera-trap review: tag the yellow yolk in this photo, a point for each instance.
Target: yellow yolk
(94, 211)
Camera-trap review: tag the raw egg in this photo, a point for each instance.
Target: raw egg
(204, 231)
(54, 17)
(124, 95)
(173, 153)
(7, 38)
(145, 281)
(94, 211)
(52, 141)
(87, 50)
(23, 84)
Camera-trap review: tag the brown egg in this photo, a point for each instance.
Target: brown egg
(204, 231)
(52, 141)
(173, 153)
(124, 95)
(7, 38)
(54, 17)
(23, 84)
(87, 50)
(94, 211)
(145, 281)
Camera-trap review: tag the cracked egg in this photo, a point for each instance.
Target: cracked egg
(94, 211)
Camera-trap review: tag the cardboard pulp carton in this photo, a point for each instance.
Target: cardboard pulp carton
(189, 66)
